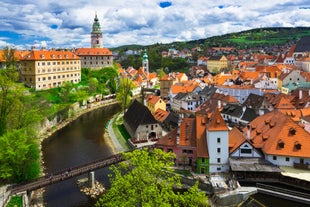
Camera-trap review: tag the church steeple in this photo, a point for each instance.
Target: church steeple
(145, 63)
(96, 34)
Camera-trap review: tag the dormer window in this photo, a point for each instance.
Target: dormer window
(292, 131)
(281, 143)
(42, 56)
(297, 145)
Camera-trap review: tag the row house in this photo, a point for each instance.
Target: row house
(290, 76)
(167, 119)
(45, 69)
(170, 79)
(303, 63)
(185, 87)
(237, 115)
(240, 92)
(153, 103)
(216, 63)
(259, 103)
(185, 101)
(282, 141)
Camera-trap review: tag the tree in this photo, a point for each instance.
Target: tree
(146, 179)
(8, 94)
(8, 56)
(124, 91)
(19, 156)
(161, 73)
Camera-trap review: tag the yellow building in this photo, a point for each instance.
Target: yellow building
(216, 63)
(155, 102)
(45, 69)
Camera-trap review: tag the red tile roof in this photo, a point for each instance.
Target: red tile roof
(152, 99)
(93, 51)
(217, 122)
(187, 132)
(277, 134)
(236, 138)
(201, 124)
(160, 115)
(50, 55)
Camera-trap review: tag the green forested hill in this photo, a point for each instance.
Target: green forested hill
(249, 38)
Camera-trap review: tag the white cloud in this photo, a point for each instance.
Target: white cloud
(68, 23)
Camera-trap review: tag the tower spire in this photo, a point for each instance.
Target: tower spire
(96, 34)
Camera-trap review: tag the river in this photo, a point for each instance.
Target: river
(83, 141)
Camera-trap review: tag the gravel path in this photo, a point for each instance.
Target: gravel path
(117, 145)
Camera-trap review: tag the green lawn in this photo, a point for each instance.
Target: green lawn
(16, 201)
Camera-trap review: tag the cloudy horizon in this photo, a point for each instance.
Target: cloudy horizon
(68, 24)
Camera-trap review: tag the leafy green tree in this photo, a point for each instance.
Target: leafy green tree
(124, 92)
(161, 73)
(93, 84)
(19, 156)
(8, 56)
(65, 91)
(8, 96)
(146, 179)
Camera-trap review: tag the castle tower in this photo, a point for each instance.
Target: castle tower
(96, 34)
(145, 63)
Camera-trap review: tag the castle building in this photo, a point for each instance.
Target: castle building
(45, 69)
(95, 57)
(96, 34)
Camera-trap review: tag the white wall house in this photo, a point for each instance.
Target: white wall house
(245, 150)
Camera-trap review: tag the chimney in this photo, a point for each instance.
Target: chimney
(248, 132)
(300, 94)
(261, 112)
(219, 104)
(178, 132)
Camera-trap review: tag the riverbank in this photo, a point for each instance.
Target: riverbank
(37, 195)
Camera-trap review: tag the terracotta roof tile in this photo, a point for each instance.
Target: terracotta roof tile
(50, 55)
(187, 132)
(236, 138)
(93, 52)
(217, 122)
(201, 124)
(160, 115)
(277, 134)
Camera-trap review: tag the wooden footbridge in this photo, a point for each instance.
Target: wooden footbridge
(65, 174)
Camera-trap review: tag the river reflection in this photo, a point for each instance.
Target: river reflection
(79, 142)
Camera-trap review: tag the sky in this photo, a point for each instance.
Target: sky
(68, 24)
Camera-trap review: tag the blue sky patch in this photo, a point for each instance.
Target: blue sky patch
(165, 4)
(54, 26)
(221, 6)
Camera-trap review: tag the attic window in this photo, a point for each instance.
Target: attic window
(292, 131)
(203, 121)
(42, 57)
(267, 121)
(272, 124)
(258, 131)
(281, 143)
(265, 137)
(253, 126)
(297, 145)
(218, 121)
